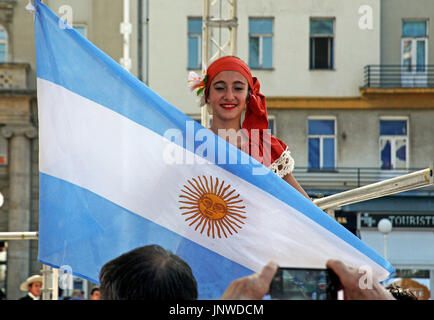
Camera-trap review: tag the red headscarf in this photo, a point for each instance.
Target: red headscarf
(256, 112)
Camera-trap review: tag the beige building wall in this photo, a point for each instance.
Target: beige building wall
(354, 47)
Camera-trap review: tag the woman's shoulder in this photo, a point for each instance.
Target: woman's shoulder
(284, 164)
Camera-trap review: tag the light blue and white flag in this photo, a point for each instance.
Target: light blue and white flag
(120, 168)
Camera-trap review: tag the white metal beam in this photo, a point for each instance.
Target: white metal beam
(31, 235)
(411, 181)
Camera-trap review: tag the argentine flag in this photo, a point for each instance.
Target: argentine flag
(120, 167)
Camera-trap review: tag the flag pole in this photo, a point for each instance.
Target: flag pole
(411, 181)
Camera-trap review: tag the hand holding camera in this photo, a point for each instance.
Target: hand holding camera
(285, 283)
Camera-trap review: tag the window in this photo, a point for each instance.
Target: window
(414, 29)
(414, 53)
(321, 143)
(321, 43)
(3, 45)
(81, 29)
(272, 124)
(194, 43)
(394, 143)
(261, 43)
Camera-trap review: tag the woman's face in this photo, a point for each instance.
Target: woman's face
(228, 95)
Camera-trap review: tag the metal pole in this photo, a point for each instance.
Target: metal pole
(205, 55)
(415, 180)
(55, 284)
(126, 31)
(385, 246)
(140, 40)
(234, 28)
(18, 235)
(210, 21)
(46, 289)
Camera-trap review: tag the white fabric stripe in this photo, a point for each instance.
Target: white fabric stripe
(95, 148)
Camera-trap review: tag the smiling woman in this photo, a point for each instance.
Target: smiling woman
(229, 89)
(227, 97)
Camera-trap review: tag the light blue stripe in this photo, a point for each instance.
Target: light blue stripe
(66, 58)
(88, 230)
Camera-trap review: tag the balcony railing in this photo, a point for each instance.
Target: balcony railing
(399, 76)
(345, 178)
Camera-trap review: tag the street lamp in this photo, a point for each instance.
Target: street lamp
(385, 227)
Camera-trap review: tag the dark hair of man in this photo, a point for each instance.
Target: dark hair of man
(147, 273)
(93, 290)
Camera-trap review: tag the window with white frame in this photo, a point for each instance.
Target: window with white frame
(321, 143)
(321, 43)
(414, 53)
(261, 43)
(3, 44)
(194, 54)
(394, 143)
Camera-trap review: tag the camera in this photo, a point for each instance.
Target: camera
(304, 284)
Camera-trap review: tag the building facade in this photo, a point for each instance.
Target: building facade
(349, 89)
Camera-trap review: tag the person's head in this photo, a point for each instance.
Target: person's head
(227, 96)
(77, 294)
(231, 89)
(228, 87)
(147, 273)
(33, 284)
(95, 294)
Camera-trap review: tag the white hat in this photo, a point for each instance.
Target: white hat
(29, 281)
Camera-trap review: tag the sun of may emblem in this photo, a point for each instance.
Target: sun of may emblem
(212, 206)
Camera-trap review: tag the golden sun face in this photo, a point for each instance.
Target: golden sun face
(212, 207)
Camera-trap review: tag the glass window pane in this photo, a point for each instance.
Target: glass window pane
(254, 52)
(194, 26)
(406, 55)
(260, 26)
(320, 50)
(3, 34)
(420, 55)
(193, 53)
(313, 155)
(3, 54)
(414, 28)
(267, 52)
(271, 126)
(321, 127)
(401, 153)
(328, 153)
(385, 154)
(321, 27)
(393, 127)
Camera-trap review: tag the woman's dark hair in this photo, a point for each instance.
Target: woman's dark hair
(147, 273)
